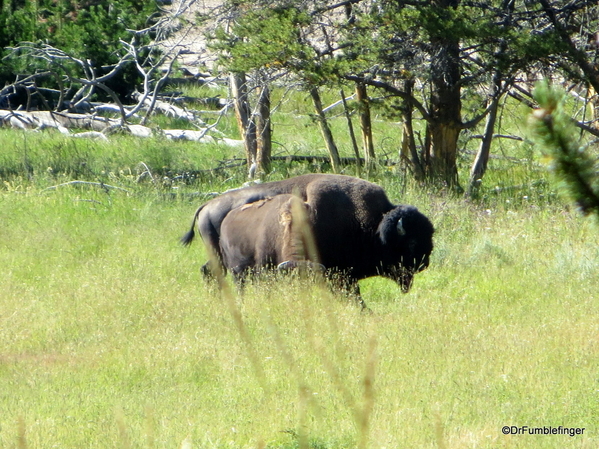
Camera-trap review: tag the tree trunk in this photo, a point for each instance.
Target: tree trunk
(325, 130)
(352, 134)
(263, 130)
(446, 122)
(593, 100)
(479, 167)
(243, 112)
(443, 158)
(365, 122)
(408, 142)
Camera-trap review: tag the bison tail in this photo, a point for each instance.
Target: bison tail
(188, 238)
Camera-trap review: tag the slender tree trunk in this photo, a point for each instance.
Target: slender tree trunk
(365, 122)
(243, 112)
(263, 130)
(593, 100)
(479, 167)
(325, 130)
(352, 134)
(349, 15)
(408, 143)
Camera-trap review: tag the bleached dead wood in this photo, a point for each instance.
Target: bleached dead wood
(168, 109)
(59, 120)
(232, 142)
(338, 103)
(91, 135)
(188, 134)
(139, 130)
(101, 127)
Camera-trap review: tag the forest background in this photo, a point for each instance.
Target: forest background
(111, 338)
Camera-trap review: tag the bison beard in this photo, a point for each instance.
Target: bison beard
(356, 231)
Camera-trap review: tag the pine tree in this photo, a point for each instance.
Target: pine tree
(573, 164)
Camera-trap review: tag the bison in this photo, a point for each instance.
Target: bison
(357, 231)
(274, 232)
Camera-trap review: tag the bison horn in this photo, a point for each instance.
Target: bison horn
(400, 228)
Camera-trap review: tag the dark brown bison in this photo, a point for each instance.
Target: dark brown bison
(357, 231)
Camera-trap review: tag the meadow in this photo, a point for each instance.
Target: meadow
(110, 337)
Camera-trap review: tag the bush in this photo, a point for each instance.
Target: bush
(89, 30)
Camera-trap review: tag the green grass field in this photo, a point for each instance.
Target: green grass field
(110, 338)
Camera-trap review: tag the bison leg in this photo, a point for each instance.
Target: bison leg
(240, 275)
(353, 292)
(211, 272)
(348, 287)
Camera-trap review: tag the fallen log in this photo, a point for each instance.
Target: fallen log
(91, 135)
(101, 127)
(50, 119)
(168, 109)
(139, 130)
(188, 134)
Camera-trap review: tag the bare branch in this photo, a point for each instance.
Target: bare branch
(393, 90)
(87, 183)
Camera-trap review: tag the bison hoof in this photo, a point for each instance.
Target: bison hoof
(300, 264)
(366, 310)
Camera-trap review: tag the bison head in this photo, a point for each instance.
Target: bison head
(406, 236)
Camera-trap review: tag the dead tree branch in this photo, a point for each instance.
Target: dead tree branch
(101, 185)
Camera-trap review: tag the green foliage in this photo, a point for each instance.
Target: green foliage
(391, 38)
(85, 30)
(574, 164)
(20, 25)
(268, 38)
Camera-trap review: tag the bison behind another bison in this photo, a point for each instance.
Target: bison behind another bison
(356, 231)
